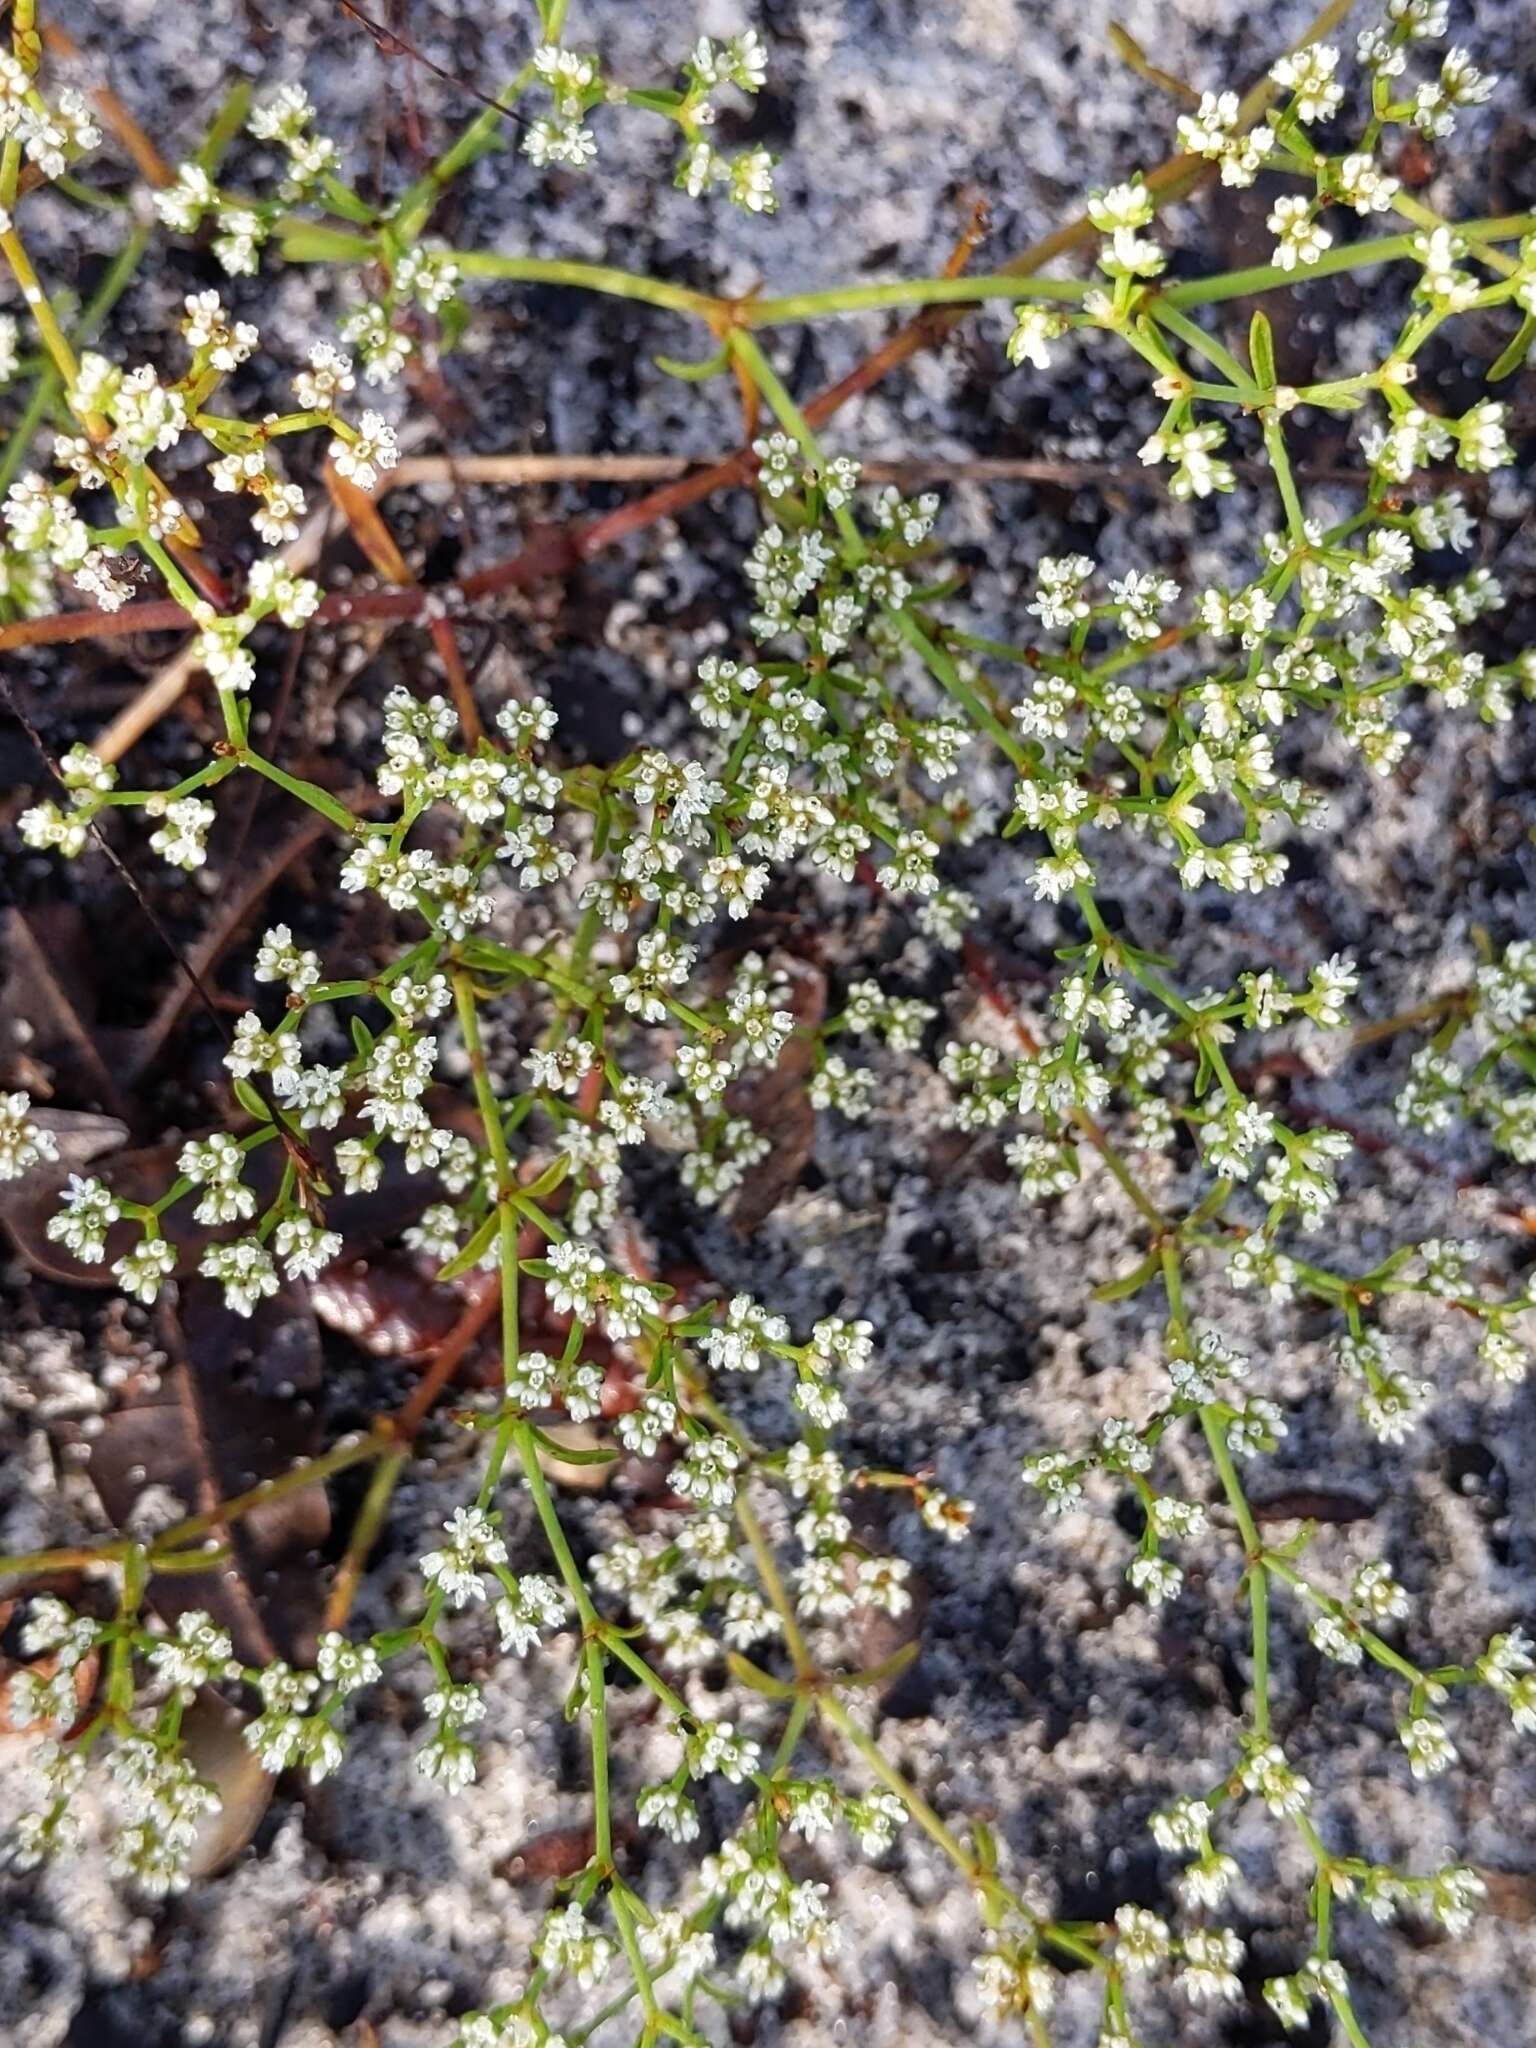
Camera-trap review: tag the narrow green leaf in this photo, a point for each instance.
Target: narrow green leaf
(568, 1454)
(1128, 1283)
(250, 1101)
(890, 1667)
(748, 1673)
(1261, 351)
(693, 373)
(306, 243)
(1517, 351)
(471, 1254)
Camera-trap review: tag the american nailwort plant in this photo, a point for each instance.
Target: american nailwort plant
(836, 736)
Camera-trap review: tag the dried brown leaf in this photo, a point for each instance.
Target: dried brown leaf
(49, 1013)
(216, 1426)
(1511, 1893)
(778, 1102)
(1313, 1504)
(389, 1306)
(83, 1139)
(553, 1852)
(214, 1733)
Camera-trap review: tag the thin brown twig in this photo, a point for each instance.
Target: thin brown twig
(204, 957)
(483, 1304)
(148, 161)
(389, 43)
(556, 553)
(904, 470)
(361, 512)
(168, 684)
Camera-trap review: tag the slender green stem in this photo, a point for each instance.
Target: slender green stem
(544, 1506)
(339, 1458)
(1257, 1572)
(831, 1708)
(416, 204)
(918, 291)
(1195, 337)
(309, 793)
(591, 277)
(1280, 462)
(1366, 255)
(773, 1586)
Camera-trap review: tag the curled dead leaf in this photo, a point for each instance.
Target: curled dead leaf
(217, 1425)
(1313, 1504)
(553, 1852)
(389, 1306)
(587, 1471)
(777, 1100)
(214, 1733)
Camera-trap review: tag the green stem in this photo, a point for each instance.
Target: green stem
(1257, 1577)
(544, 1507)
(919, 291)
(832, 1709)
(1203, 344)
(773, 1586)
(350, 1451)
(1268, 277)
(591, 277)
(307, 792)
(416, 204)
(1280, 462)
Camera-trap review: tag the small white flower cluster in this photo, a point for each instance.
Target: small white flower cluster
(584, 911)
(308, 159)
(1496, 1092)
(51, 136)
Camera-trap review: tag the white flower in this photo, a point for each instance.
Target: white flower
(144, 1271)
(1182, 1825)
(304, 1248)
(244, 1269)
(1284, 1791)
(180, 840)
(22, 1141)
(1211, 132)
(1334, 1640)
(1034, 328)
(328, 378)
(1377, 1592)
(1299, 238)
(1210, 1959)
(454, 1569)
(946, 1514)
(345, 1665)
(1156, 1578)
(199, 1652)
(1122, 206)
(1141, 1939)
(670, 1810)
(364, 454)
(1365, 186)
(89, 1210)
(1308, 74)
(538, 1604)
(1481, 440)
(1430, 1749)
